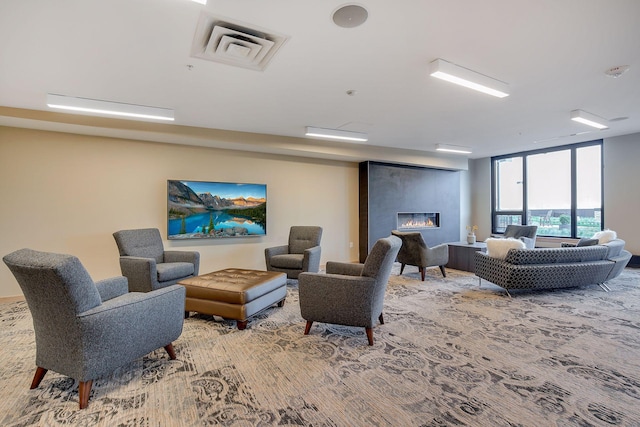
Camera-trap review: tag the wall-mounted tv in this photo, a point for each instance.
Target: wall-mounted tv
(204, 210)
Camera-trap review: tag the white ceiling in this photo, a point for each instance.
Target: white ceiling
(553, 54)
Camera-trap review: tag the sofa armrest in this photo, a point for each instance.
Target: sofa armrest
(344, 268)
(311, 259)
(141, 272)
(112, 287)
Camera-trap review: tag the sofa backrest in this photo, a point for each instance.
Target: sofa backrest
(557, 255)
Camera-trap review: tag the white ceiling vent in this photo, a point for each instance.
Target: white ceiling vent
(223, 40)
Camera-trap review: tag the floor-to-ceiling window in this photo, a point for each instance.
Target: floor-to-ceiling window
(558, 189)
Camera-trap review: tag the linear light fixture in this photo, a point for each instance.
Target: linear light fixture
(336, 134)
(97, 106)
(453, 149)
(468, 78)
(204, 2)
(588, 119)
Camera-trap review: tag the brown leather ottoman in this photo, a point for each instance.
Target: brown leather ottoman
(235, 293)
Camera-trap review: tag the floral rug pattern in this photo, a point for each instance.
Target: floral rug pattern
(451, 353)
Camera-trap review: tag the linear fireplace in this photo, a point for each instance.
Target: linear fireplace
(418, 220)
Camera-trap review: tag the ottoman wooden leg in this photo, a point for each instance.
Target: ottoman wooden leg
(281, 303)
(242, 324)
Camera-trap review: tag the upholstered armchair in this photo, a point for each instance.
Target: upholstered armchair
(145, 263)
(301, 254)
(86, 330)
(414, 251)
(526, 233)
(349, 294)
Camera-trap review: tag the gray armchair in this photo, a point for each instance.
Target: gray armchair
(86, 330)
(349, 294)
(301, 254)
(526, 233)
(145, 263)
(414, 251)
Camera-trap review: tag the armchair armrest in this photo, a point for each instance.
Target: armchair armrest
(112, 287)
(336, 298)
(117, 324)
(141, 272)
(276, 250)
(311, 259)
(344, 268)
(184, 256)
(438, 255)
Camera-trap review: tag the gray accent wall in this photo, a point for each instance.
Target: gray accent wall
(386, 189)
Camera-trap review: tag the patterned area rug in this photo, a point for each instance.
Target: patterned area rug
(449, 354)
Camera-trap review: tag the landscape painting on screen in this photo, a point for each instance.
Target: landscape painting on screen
(202, 210)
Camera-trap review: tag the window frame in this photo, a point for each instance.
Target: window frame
(574, 185)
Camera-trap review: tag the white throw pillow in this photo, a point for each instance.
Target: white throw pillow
(498, 248)
(605, 236)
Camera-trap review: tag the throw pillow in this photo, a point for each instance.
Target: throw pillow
(587, 242)
(498, 248)
(605, 236)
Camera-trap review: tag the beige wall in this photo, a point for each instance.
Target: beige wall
(68, 193)
(621, 202)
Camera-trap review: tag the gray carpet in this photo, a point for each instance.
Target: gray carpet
(449, 354)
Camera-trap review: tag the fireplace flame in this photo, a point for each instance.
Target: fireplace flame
(418, 224)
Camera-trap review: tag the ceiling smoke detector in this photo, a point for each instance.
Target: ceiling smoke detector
(234, 43)
(350, 16)
(616, 72)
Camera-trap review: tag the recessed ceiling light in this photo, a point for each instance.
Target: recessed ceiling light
(97, 106)
(453, 73)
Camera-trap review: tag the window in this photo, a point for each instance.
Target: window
(558, 189)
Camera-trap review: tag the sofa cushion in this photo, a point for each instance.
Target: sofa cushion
(614, 247)
(605, 236)
(498, 248)
(173, 270)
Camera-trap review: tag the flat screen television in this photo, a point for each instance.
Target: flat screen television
(206, 210)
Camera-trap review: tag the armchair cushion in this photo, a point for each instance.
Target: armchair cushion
(586, 242)
(173, 270)
(289, 261)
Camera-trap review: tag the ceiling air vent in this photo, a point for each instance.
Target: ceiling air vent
(233, 43)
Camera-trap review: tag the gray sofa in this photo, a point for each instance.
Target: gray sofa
(549, 268)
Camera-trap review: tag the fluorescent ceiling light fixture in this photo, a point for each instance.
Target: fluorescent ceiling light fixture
(468, 78)
(588, 119)
(200, 1)
(453, 149)
(96, 106)
(336, 134)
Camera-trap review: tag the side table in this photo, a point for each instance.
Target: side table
(461, 255)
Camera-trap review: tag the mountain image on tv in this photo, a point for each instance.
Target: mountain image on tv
(199, 209)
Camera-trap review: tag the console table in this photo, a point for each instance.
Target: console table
(461, 255)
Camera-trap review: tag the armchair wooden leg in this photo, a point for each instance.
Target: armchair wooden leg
(381, 319)
(40, 372)
(307, 328)
(84, 389)
(444, 273)
(422, 271)
(171, 351)
(369, 335)
(401, 268)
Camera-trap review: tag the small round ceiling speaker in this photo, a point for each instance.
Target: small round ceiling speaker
(350, 16)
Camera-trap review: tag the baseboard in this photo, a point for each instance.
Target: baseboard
(634, 262)
(12, 299)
